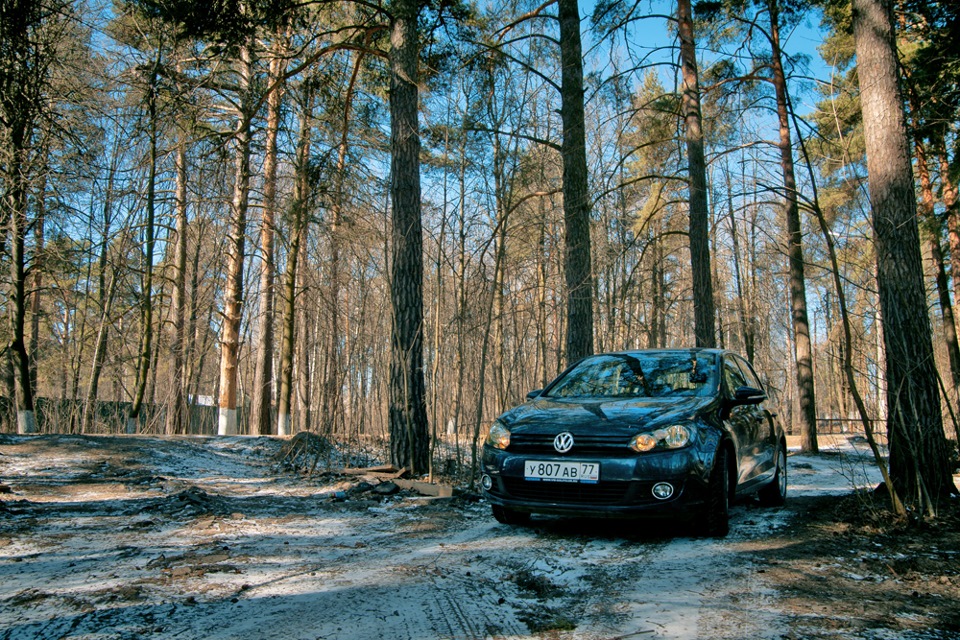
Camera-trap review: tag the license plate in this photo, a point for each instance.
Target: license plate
(555, 471)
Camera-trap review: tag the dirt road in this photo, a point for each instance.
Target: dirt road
(138, 537)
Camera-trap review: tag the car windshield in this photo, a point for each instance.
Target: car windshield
(639, 375)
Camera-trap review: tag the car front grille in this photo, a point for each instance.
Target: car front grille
(603, 493)
(599, 444)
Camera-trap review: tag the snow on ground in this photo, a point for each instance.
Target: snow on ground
(148, 537)
(843, 464)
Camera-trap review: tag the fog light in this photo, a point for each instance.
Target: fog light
(486, 482)
(662, 490)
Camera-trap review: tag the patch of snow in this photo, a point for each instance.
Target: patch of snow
(204, 537)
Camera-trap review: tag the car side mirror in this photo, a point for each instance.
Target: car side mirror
(534, 394)
(749, 395)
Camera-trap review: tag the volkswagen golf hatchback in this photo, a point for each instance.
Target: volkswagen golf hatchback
(676, 433)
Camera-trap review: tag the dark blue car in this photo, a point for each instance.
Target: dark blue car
(677, 432)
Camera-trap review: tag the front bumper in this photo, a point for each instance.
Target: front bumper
(625, 487)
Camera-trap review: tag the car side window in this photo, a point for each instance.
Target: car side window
(749, 374)
(732, 376)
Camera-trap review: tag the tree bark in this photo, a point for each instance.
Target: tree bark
(262, 400)
(105, 297)
(178, 413)
(305, 350)
(299, 223)
(747, 320)
(17, 203)
(37, 273)
(918, 454)
(803, 352)
(931, 225)
(409, 434)
(952, 204)
(576, 194)
(22, 86)
(146, 285)
(333, 407)
(703, 305)
(233, 289)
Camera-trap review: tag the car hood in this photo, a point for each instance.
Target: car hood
(542, 415)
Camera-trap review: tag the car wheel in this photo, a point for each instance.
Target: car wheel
(509, 516)
(775, 493)
(715, 521)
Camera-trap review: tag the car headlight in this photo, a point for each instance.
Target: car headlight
(673, 437)
(499, 436)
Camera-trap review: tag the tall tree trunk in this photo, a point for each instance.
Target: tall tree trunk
(37, 273)
(409, 433)
(262, 401)
(488, 307)
(803, 352)
(438, 266)
(105, 297)
(703, 305)
(178, 414)
(233, 289)
(26, 66)
(658, 296)
(288, 322)
(307, 346)
(918, 454)
(576, 194)
(747, 321)
(542, 319)
(931, 225)
(18, 216)
(847, 347)
(953, 240)
(333, 408)
(461, 359)
(951, 201)
(146, 293)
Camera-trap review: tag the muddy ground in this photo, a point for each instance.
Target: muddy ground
(149, 537)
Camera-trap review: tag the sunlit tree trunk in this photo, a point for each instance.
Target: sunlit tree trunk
(747, 321)
(37, 273)
(262, 396)
(297, 232)
(919, 462)
(233, 287)
(105, 297)
(178, 412)
(951, 201)
(333, 408)
(306, 346)
(703, 305)
(803, 352)
(149, 242)
(931, 229)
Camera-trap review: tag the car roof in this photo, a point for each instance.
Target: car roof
(711, 351)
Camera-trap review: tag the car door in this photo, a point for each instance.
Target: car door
(764, 427)
(739, 418)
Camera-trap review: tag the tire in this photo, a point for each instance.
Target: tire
(774, 494)
(509, 516)
(715, 520)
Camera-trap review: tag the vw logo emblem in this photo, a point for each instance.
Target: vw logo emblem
(563, 442)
